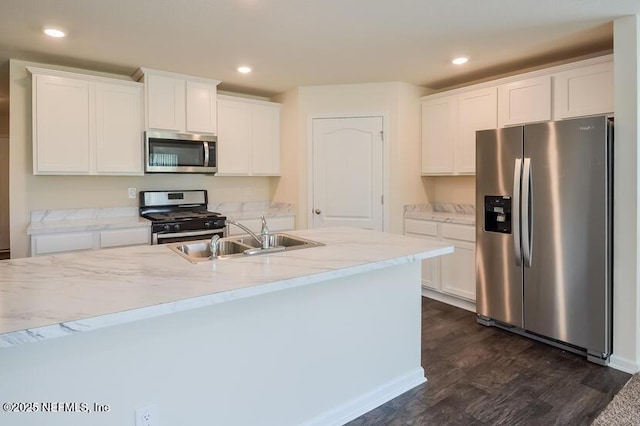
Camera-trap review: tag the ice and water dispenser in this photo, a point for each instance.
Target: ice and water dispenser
(497, 214)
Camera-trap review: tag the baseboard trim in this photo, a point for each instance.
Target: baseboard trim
(358, 406)
(450, 300)
(623, 364)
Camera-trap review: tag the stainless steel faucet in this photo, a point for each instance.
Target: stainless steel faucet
(264, 239)
(215, 245)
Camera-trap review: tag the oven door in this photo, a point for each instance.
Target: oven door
(175, 237)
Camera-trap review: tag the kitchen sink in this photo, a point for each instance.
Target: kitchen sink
(280, 240)
(244, 245)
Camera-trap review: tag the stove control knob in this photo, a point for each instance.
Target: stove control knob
(166, 227)
(176, 227)
(207, 224)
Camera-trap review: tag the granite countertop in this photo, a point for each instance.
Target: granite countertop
(98, 219)
(52, 296)
(464, 214)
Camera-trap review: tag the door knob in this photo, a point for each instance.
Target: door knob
(317, 211)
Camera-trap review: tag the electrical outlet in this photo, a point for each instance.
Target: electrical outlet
(147, 416)
(132, 193)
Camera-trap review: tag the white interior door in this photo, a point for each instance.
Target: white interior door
(348, 172)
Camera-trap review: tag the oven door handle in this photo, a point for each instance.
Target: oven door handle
(189, 233)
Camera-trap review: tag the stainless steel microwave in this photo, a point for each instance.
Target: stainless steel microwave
(169, 152)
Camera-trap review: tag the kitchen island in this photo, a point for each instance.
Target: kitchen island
(312, 336)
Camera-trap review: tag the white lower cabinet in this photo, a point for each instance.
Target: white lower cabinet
(61, 242)
(124, 237)
(275, 224)
(450, 278)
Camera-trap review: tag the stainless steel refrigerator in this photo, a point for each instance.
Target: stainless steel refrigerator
(544, 232)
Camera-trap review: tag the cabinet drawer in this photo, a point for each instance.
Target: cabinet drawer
(124, 237)
(422, 227)
(45, 244)
(458, 232)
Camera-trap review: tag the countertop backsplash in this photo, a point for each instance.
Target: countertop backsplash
(83, 214)
(442, 212)
(50, 221)
(253, 209)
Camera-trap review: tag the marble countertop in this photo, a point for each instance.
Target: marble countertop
(463, 214)
(52, 296)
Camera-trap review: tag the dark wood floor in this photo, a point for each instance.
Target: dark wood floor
(486, 376)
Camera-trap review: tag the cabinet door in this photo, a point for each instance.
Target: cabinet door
(265, 155)
(61, 126)
(458, 271)
(62, 242)
(125, 237)
(430, 267)
(119, 141)
(477, 110)
(583, 91)
(439, 132)
(524, 101)
(165, 102)
(201, 107)
(234, 137)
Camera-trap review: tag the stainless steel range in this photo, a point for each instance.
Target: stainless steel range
(180, 216)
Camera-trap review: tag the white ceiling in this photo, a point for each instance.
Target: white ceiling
(292, 43)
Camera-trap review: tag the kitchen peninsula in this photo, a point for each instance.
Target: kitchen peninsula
(313, 336)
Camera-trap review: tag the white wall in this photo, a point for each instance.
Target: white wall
(454, 189)
(626, 234)
(287, 188)
(398, 102)
(29, 192)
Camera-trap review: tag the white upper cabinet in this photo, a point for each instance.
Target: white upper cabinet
(524, 101)
(439, 134)
(85, 125)
(583, 91)
(165, 98)
(201, 102)
(451, 119)
(248, 137)
(61, 118)
(265, 152)
(179, 102)
(449, 127)
(477, 110)
(118, 129)
(234, 137)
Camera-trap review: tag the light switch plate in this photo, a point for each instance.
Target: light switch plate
(132, 193)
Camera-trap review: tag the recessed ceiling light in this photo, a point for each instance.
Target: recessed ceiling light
(244, 70)
(54, 32)
(461, 60)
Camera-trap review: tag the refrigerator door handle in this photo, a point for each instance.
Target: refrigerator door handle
(527, 228)
(517, 247)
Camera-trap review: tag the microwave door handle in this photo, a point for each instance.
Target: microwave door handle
(206, 153)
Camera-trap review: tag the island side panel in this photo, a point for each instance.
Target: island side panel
(318, 354)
